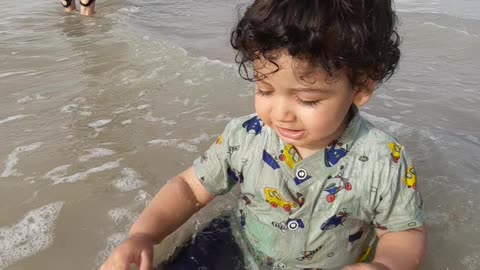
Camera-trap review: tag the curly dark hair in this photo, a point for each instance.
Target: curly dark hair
(358, 35)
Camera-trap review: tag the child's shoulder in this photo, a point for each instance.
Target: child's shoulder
(245, 126)
(377, 142)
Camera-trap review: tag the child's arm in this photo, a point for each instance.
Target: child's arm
(401, 250)
(177, 201)
(397, 251)
(174, 204)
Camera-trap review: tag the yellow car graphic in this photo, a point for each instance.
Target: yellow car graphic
(289, 156)
(410, 178)
(274, 198)
(219, 140)
(395, 149)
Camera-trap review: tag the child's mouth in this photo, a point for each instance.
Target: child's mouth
(290, 133)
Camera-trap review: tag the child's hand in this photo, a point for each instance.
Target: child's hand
(136, 249)
(366, 266)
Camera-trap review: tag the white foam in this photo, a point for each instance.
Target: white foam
(99, 123)
(190, 82)
(12, 118)
(193, 110)
(126, 122)
(34, 233)
(85, 113)
(187, 147)
(123, 109)
(80, 99)
(204, 137)
(141, 94)
(150, 118)
(144, 197)
(96, 152)
(218, 118)
(107, 143)
(122, 215)
(30, 98)
(185, 101)
(12, 158)
(130, 180)
(164, 142)
(143, 106)
(57, 172)
(129, 10)
(203, 61)
(69, 108)
(7, 74)
(58, 176)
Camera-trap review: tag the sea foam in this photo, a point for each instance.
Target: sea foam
(35, 232)
(96, 152)
(57, 175)
(130, 180)
(12, 159)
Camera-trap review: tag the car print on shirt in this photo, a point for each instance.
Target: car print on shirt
(267, 158)
(273, 197)
(289, 156)
(410, 178)
(365, 254)
(246, 200)
(253, 125)
(334, 221)
(395, 149)
(334, 186)
(242, 219)
(333, 155)
(375, 225)
(300, 199)
(354, 237)
(309, 254)
(297, 180)
(234, 176)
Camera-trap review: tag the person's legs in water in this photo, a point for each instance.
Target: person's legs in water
(69, 5)
(87, 7)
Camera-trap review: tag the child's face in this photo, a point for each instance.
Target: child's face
(308, 113)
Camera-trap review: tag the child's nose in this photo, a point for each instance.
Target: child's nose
(282, 111)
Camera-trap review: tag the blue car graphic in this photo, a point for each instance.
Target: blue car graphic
(254, 124)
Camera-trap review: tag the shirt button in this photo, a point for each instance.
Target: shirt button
(301, 174)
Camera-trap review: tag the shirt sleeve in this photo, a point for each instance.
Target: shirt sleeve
(213, 168)
(399, 205)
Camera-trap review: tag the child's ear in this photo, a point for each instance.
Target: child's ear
(363, 93)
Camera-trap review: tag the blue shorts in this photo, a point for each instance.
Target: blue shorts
(214, 248)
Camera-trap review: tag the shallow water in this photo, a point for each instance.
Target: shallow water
(96, 114)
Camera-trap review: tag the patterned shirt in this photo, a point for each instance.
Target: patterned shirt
(318, 212)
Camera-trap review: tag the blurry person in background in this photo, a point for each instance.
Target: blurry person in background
(87, 6)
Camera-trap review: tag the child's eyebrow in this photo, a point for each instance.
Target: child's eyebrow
(302, 89)
(299, 89)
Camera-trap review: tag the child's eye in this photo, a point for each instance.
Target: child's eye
(310, 103)
(262, 93)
